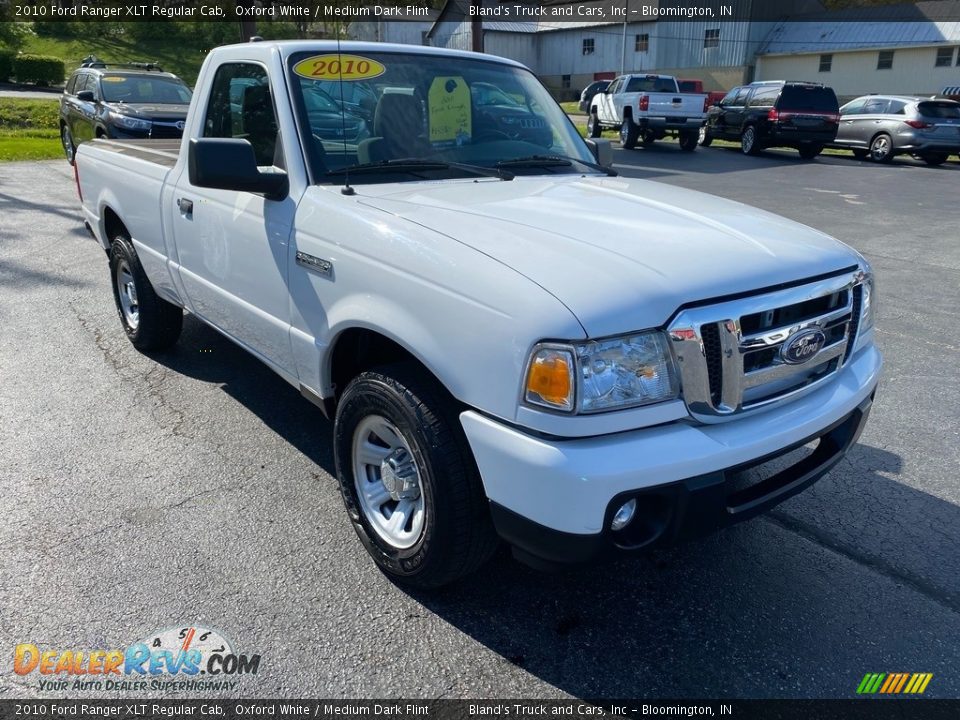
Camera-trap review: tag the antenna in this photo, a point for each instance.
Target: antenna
(346, 189)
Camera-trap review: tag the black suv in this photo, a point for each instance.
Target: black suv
(136, 100)
(801, 115)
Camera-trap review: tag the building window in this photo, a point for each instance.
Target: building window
(565, 82)
(826, 63)
(944, 57)
(711, 38)
(588, 46)
(885, 60)
(641, 43)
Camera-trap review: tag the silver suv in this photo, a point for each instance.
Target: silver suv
(882, 126)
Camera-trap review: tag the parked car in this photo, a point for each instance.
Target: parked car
(879, 127)
(798, 115)
(499, 113)
(646, 108)
(590, 91)
(121, 101)
(510, 343)
(690, 86)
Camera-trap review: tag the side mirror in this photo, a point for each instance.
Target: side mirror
(231, 164)
(86, 96)
(602, 151)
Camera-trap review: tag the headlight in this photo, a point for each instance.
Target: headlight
(868, 303)
(602, 374)
(129, 123)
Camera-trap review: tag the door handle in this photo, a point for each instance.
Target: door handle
(186, 207)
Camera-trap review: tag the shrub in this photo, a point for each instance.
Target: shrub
(6, 64)
(39, 69)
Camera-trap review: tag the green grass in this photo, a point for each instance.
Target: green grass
(179, 57)
(571, 107)
(29, 130)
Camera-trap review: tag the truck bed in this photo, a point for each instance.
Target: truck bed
(159, 152)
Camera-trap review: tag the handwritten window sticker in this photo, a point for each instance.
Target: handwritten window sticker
(448, 111)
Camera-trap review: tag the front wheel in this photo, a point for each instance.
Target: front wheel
(748, 141)
(66, 139)
(593, 126)
(704, 137)
(628, 134)
(408, 479)
(688, 141)
(881, 149)
(151, 323)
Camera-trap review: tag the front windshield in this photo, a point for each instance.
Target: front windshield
(428, 109)
(140, 89)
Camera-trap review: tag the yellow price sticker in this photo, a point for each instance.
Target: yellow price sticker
(448, 104)
(338, 67)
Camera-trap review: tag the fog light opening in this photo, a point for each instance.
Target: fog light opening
(624, 515)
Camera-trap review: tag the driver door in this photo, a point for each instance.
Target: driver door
(233, 245)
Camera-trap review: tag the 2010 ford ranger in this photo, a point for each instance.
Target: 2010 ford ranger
(513, 341)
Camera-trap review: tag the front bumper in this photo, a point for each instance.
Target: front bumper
(554, 499)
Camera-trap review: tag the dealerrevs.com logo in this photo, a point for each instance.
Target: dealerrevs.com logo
(184, 658)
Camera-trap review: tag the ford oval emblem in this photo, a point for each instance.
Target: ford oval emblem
(180, 125)
(802, 346)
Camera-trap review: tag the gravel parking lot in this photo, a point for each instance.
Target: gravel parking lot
(194, 487)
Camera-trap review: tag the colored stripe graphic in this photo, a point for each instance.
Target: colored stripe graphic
(894, 683)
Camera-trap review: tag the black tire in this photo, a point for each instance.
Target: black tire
(934, 158)
(158, 322)
(66, 139)
(809, 152)
(629, 132)
(689, 141)
(594, 129)
(881, 148)
(704, 137)
(861, 154)
(748, 141)
(457, 536)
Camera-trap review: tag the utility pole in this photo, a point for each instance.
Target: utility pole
(248, 28)
(623, 48)
(476, 26)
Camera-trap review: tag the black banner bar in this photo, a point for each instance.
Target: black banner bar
(220, 709)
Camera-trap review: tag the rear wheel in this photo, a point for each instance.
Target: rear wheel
(66, 139)
(704, 137)
(151, 323)
(881, 148)
(408, 478)
(593, 126)
(809, 152)
(688, 141)
(628, 134)
(748, 141)
(934, 158)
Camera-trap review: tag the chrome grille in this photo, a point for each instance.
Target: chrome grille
(752, 352)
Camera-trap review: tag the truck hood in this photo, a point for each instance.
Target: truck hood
(621, 254)
(150, 111)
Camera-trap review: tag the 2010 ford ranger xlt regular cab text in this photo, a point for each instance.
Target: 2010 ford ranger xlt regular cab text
(513, 341)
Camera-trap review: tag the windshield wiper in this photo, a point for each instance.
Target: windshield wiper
(415, 164)
(534, 161)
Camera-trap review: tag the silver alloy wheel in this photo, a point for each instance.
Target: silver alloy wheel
(67, 140)
(624, 131)
(127, 292)
(387, 480)
(749, 137)
(702, 135)
(880, 148)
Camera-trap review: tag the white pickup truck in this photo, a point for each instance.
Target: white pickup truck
(513, 341)
(646, 108)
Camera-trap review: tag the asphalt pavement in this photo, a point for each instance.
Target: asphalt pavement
(194, 488)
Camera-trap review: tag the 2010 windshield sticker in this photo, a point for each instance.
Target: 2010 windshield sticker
(339, 67)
